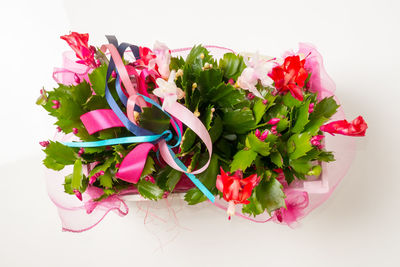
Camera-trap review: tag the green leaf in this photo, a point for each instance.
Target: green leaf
(67, 185)
(148, 167)
(270, 194)
(106, 179)
(276, 158)
(282, 125)
(194, 196)
(216, 129)
(77, 175)
(172, 179)
(81, 92)
(208, 116)
(302, 117)
(96, 102)
(290, 101)
(254, 207)
(226, 96)
(98, 80)
(196, 59)
(187, 140)
(277, 111)
(208, 81)
(176, 63)
(208, 178)
(60, 154)
(325, 108)
(108, 133)
(51, 163)
(93, 150)
(153, 119)
(288, 175)
(243, 159)
(224, 148)
(238, 121)
(301, 165)
(232, 65)
(69, 109)
(259, 110)
(298, 145)
(257, 145)
(313, 126)
(326, 156)
(149, 190)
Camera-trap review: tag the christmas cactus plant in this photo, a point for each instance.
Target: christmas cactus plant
(265, 118)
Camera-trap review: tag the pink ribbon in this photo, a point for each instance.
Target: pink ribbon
(132, 166)
(100, 119)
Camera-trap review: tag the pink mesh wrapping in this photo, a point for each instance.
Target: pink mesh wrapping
(78, 216)
(71, 72)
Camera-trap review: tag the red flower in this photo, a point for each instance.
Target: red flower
(290, 76)
(357, 127)
(235, 188)
(146, 55)
(79, 43)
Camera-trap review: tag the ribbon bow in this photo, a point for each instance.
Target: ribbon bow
(134, 100)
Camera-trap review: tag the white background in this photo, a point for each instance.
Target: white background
(357, 226)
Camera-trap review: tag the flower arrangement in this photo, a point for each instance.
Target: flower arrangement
(240, 130)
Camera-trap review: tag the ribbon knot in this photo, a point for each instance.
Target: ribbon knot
(132, 165)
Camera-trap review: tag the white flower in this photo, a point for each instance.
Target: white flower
(168, 90)
(257, 68)
(163, 59)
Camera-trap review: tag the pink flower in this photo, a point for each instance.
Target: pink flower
(168, 90)
(273, 130)
(264, 135)
(281, 178)
(77, 79)
(78, 194)
(56, 104)
(44, 143)
(94, 177)
(357, 127)
(150, 179)
(273, 121)
(146, 55)
(162, 59)
(250, 96)
(79, 43)
(257, 70)
(261, 136)
(296, 202)
(311, 108)
(316, 141)
(81, 151)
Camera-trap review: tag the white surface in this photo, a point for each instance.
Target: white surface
(360, 43)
